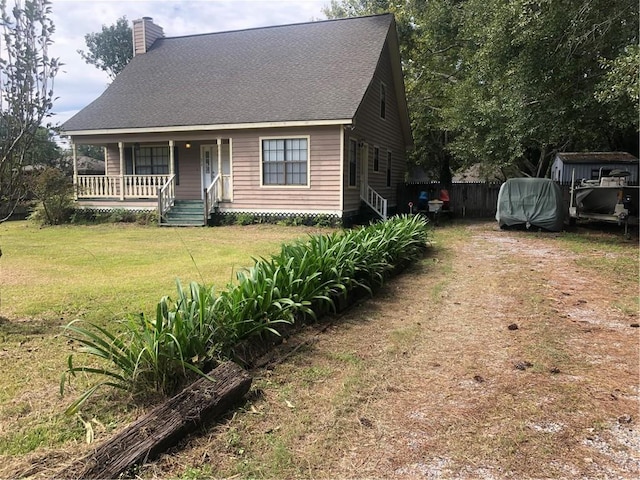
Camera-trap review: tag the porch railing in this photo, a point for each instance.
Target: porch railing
(98, 186)
(377, 202)
(116, 186)
(166, 197)
(211, 197)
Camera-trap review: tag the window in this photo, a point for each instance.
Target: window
(388, 169)
(383, 100)
(376, 159)
(284, 161)
(151, 160)
(353, 162)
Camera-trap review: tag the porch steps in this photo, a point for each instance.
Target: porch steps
(185, 213)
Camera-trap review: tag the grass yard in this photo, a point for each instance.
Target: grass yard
(51, 276)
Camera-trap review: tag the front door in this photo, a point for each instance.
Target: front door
(209, 165)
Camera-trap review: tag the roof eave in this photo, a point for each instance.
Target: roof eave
(226, 126)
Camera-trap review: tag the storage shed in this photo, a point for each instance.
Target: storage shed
(587, 165)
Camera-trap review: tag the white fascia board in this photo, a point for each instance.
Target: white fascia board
(225, 126)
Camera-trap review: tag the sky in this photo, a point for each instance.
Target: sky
(77, 84)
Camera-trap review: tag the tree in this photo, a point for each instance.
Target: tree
(529, 76)
(93, 151)
(54, 190)
(44, 150)
(26, 77)
(508, 84)
(111, 49)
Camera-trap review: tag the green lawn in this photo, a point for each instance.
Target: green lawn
(102, 272)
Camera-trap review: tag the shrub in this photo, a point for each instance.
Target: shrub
(54, 191)
(245, 219)
(304, 279)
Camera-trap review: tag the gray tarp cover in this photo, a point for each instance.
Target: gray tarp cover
(530, 201)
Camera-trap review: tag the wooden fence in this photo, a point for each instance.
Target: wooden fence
(472, 200)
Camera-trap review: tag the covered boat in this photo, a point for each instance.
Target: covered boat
(607, 198)
(530, 202)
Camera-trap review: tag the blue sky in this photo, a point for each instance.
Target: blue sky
(78, 84)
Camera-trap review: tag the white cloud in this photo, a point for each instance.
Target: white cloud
(78, 84)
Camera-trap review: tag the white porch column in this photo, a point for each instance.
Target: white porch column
(220, 190)
(74, 152)
(122, 168)
(105, 154)
(172, 167)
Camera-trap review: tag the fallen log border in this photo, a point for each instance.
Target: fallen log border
(164, 426)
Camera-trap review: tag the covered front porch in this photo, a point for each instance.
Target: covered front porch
(155, 175)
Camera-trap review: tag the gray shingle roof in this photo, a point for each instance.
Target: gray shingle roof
(302, 72)
(597, 157)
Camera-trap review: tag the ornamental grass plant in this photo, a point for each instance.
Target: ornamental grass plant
(201, 327)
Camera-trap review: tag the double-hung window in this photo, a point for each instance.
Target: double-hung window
(285, 161)
(151, 160)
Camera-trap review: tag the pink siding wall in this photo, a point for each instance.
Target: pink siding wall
(385, 133)
(321, 196)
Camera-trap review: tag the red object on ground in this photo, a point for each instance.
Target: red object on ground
(444, 198)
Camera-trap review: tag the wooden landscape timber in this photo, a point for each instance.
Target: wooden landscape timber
(162, 428)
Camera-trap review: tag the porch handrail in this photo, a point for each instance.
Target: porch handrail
(109, 186)
(211, 197)
(377, 202)
(166, 197)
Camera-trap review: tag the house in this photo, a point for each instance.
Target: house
(302, 119)
(590, 165)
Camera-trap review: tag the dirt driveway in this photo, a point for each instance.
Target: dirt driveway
(516, 363)
(503, 355)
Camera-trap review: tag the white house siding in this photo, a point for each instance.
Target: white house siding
(386, 134)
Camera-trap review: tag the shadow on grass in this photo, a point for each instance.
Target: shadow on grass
(27, 328)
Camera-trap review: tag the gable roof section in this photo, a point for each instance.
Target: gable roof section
(596, 157)
(310, 72)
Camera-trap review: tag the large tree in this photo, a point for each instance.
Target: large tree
(111, 49)
(530, 74)
(507, 84)
(26, 79)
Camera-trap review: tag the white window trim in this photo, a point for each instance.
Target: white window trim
(286, 137)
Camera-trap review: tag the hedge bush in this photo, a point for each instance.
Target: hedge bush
(200, 327)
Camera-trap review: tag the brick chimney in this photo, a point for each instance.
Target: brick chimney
(145, 32)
